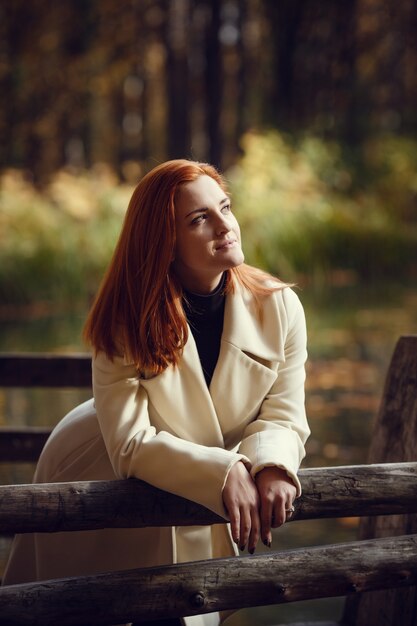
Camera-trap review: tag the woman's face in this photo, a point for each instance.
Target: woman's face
(207, 235)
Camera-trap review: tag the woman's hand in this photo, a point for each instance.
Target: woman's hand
(276, 494)
(241, 500)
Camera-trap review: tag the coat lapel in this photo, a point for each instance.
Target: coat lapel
(182, 400)
(246, 369)
(262, 337)
(250, 352)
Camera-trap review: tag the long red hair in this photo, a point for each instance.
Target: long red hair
(138, 309)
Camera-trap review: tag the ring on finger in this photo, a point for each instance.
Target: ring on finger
(290, 511)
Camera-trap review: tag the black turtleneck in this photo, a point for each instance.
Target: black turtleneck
(205, 317)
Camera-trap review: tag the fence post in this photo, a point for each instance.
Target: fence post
(394, 440)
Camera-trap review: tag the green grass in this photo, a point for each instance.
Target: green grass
(316, 208)
(306, 207)
(55, 245)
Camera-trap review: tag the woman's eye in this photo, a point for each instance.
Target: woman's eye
(199, 219)
(227, 208)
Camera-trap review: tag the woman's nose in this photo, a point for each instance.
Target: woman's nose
(222, 225)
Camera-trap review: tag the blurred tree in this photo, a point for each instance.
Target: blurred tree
(177, 41)
(284, 19)
(387, 62)
(128, 84)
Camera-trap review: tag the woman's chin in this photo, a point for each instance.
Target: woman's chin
(237, 259)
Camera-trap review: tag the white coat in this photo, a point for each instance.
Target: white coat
(177, 434)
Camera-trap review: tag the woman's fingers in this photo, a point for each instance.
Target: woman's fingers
(234, 517)
(255, 529)
(241, 501)
(254, 509)
(245, 526)
(279, 515)
(276, 492)
(266, 521)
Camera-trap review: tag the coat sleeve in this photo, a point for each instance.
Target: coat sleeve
(278, 435)
(182, 467)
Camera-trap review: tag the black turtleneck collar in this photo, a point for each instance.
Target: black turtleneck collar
(197, 304)
(205, 317)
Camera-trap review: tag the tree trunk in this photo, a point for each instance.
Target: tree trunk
(214, 85)
(394, 440)
(177, 49)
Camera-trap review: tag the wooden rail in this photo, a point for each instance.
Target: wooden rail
(24, 445)
(45, 370)
(327, 493)
(217, 584)
(384, 567)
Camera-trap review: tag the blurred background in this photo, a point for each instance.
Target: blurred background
(310, 109)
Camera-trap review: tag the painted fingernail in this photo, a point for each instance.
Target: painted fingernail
(267, 543)
(241, 548)
(251, 551)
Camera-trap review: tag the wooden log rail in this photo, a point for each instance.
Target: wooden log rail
(24, 445)
(45, 370)
(217, 584)
(327, 493)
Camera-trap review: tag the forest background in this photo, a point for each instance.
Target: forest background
(310, 109)
(309, 106)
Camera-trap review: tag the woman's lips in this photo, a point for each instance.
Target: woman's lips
(230, 243)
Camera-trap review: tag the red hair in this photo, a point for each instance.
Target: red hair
(138, 305)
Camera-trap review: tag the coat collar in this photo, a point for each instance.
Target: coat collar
(261, 337)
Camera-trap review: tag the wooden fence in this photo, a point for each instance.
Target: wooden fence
(383, 562)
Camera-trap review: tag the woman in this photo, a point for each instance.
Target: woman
(198, 376)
